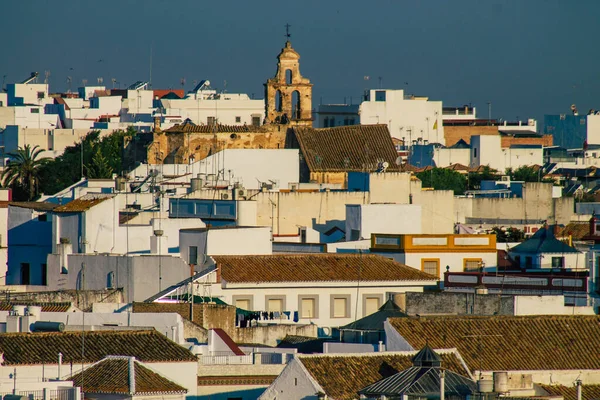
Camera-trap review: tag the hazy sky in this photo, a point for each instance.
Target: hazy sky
(528, 57)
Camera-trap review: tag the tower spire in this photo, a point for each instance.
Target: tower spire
(288, 35)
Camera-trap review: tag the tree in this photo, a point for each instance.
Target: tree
(508, 235)
(486, 174)
(101, 157)
(443, 179)
(525, 173)
(22, 173)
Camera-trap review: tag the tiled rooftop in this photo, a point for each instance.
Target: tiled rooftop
(43, 348)
(34, 205)
(588, 392)
(506, 343)
(112, 375)
(315, 268)
(191, 128)
(346, 148)
(577, 230)
(341, 377)
(236, 380)
(46, 307)
(83, 203)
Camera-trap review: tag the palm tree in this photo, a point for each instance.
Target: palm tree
(22, 171)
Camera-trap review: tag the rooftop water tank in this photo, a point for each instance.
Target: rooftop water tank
(34, 310)
(485, 385)
(501, 382)
(19, 310)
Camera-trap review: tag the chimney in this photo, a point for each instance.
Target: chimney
(156, 124)
(59, 365)
(381, 347)
(579, 394)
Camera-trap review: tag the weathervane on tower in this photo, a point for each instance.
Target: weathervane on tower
(287, 32)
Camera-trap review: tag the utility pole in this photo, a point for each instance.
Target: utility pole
(489, 112)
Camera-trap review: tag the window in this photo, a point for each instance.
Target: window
(243, 302)
(472, 264)
(431, 266)
(351, 121)
(275, 303)
(518, 260)
(41, 95)
(238, 119)
(475, 152)
(256, 121)
(345, 121)
(288, 76)
(42, 217)
(110, 280)
(193, 255)
(371, 305)
(308, 306)
(35, 110)
(25, 277)
(558, 262)
(326, 123)
(380, 95)
(44, 274)
(340, 306)
(528, 262)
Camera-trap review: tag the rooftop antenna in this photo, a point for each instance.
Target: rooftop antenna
(182, 83)
(100, 80)
(69, 80)
(47, 75)
(84, 81)
(151, 51)
(288, 35)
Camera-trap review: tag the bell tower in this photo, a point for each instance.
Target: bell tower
(288, 95)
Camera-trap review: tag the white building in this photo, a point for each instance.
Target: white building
(487, 150)
(436, 254)
(204, 105)
(362, 220)
(323, 289)
(416, 119)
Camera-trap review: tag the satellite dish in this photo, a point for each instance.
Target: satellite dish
(385, 164)
(399, 160)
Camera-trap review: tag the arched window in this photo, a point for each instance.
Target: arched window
(296, 105)
(278, 102)
(288, 76)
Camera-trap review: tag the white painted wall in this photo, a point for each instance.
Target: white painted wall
(593, 129)
(226, 109)
(487, 150)
(547, 305)
(445, 156)
(249, 167)
(411, 118)
(322, 291)
(294, 383)
(226, 241)
(382, 218)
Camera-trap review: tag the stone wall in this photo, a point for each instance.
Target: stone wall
(81, 299)
(177, 147)
(458, 304)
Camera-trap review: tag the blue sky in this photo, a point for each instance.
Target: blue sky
(528, 57)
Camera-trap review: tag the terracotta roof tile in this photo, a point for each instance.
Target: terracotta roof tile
(42, 348)
(315, 268)
(577, 230)
(341, 377)
(83, 203)
(34, 205)
(191, 128)
(346, 148)
(507, 343)
(588, 392)
(112, 375)
(46, 306)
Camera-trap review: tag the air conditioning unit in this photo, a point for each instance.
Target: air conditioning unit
(225, 196)
(241, 193)
(505, 178)
(293, 187)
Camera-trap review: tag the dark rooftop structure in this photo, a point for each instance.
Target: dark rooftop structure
(422, 380)
(543, 241)
(370, 329)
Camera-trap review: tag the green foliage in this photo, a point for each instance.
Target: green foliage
(101, 158)
(443, 179)
(486, 174)
(524, 173)
(508, 235)
(23, 172)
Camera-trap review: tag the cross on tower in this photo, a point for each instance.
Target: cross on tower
(287, 31)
